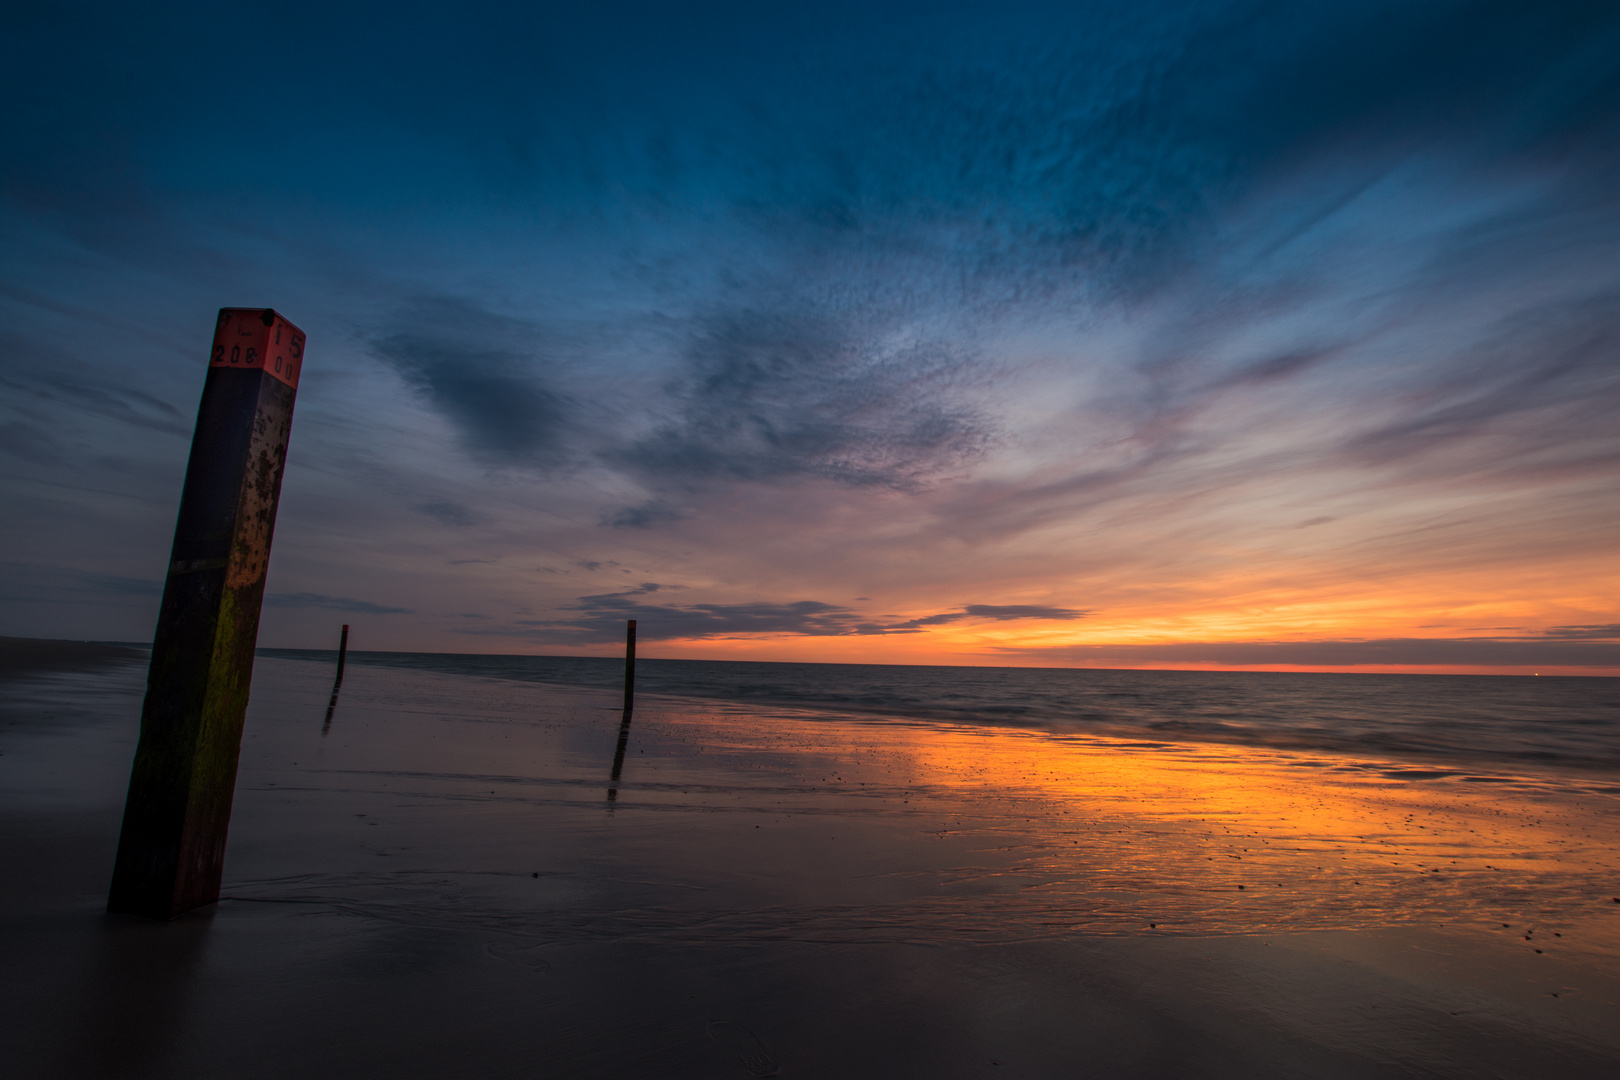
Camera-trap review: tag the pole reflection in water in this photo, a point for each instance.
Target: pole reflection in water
(331, 706)
(618, 758)
(337, 683)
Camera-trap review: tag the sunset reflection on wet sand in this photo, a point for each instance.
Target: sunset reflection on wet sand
(857, 896)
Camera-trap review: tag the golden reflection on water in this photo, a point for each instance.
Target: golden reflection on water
(1101, 835)
(485, 803)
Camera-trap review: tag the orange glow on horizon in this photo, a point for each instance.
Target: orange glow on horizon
(859, 650)
(1277, 605)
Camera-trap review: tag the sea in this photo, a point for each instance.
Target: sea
(1467, 721)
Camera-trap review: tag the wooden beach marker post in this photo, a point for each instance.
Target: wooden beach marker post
(172, 847)
(343, 654)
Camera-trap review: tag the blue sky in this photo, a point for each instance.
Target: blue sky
(1186, 333)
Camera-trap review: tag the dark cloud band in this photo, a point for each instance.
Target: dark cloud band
(1549, 650)
(601, 618)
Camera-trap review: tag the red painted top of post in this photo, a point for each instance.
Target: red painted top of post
(258, 338)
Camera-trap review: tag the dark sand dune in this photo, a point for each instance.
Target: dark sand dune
(440, 887)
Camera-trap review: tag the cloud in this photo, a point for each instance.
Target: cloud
(1003, 612)
(602, 618)
(1538, 387)
(1604, 632)
(118, 584)
(919, 623)
(48, 584)
(29, 442)
(1341, 264)
(483, 374)
(994, 612)
(55, 380)
(1545, 651)
(777, 394)
(335, 603)
(448, 513)
(644, 516)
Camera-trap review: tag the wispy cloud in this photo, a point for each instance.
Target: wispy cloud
(601, 618)
(1604, 632)
(641, 516)
(447, 513)
(484, 373)
(994, 612)
(1548, 651)
(335, 603)
(49, 383)
(783, 394)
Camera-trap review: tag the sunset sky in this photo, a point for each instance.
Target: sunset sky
(1183, 335)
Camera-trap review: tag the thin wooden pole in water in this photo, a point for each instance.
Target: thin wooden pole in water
(343, 654)
(629, 704)
(629, 666)
(171, 850)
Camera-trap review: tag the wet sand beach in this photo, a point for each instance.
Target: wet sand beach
(439, 885)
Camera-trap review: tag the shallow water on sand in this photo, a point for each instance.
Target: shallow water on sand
(448, 880)
(921, 832)
(1452, 720)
